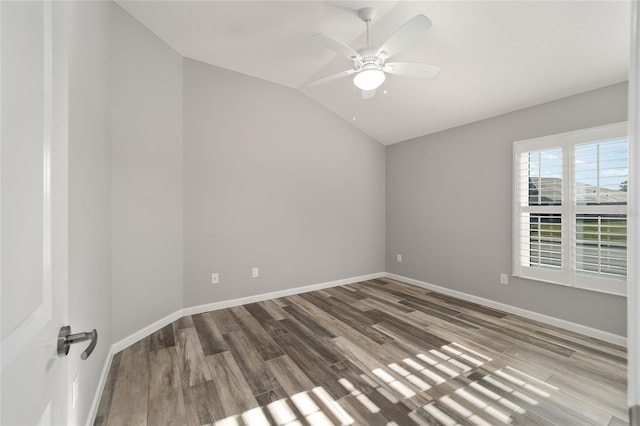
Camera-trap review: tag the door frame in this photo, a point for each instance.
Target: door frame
(633, 293)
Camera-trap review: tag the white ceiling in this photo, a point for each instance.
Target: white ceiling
(495, 56)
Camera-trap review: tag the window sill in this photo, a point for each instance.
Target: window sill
(618, 287)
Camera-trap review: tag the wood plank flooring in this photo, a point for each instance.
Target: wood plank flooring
(378, 352)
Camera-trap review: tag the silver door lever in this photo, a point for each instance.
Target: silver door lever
(66, 339)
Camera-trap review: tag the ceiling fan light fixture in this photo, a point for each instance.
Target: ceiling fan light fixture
(369, 79)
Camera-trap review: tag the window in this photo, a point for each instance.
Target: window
(570, 208)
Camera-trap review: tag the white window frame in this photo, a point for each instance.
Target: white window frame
(567, 274)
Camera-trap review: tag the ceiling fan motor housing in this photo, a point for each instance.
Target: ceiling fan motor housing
(369, 59)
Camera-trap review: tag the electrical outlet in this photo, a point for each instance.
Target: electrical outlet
(399, 258)
(255, 272)
(215, 278)
(74, 391)
(504, 279)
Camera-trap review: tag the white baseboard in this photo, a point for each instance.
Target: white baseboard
(142, 333)
(274, 295)
(100, 388)
(152, 328)
(567, 325)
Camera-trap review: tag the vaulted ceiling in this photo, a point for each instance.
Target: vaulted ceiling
(495, 56)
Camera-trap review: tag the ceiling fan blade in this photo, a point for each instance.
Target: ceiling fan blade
(330, 78)
(405, 36)
(368, 94)
(412, 69)
(337, 47)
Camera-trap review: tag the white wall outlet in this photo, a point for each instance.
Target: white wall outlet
(399, 258)
(255, 272)
(504, 279)
(75, 391)
(215, 278)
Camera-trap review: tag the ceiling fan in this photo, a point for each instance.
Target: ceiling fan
(369, 62)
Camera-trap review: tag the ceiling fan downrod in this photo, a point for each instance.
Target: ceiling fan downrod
(367, 14)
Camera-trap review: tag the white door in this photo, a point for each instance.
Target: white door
(33, 213)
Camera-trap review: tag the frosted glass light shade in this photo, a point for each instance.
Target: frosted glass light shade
(369, 79)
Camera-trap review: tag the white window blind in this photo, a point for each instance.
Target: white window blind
(570, 208)
(601, 175)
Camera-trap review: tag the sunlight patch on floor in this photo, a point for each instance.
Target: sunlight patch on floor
(335, 408)
(415, 380)
(382, 391)
(500, 400)
(464, 412)
(282, 414)
(310, 410)
(256, 417)
(362, 398)
(229, 421)
(496, 395)
(424, 371)
(438, 414)
(524, 384)
(402, 389)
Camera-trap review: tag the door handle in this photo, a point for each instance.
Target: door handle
(66, 339)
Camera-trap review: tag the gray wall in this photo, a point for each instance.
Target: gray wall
(146, 180)
(89, 223)
(449, 208)
(275, 181)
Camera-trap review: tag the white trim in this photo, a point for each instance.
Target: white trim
(138, 335)
(567, 325)
(566, 273)
(274, 295)
(633, 253)
(146, 331)
(93, 410)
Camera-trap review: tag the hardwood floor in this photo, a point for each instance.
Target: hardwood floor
(378, 352)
